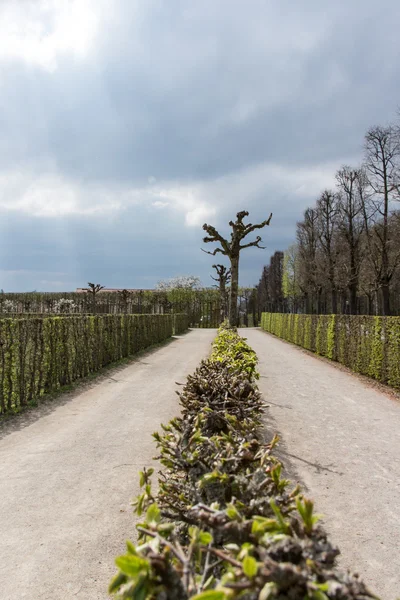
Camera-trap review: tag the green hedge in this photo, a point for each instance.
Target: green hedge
(367, 345)
(41, 355)
(33, 315)
(181, 323)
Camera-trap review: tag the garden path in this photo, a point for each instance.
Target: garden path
(68, 472)
(340, 438)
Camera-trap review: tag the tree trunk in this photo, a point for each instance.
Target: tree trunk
(353, 298)
(222, 293)
(233, 298)
(386, 299)
(255, 320)
(334, 301)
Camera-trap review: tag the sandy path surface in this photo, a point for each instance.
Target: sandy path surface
(340, 438)
(67, 477)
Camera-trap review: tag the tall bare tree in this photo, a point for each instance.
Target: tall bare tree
(223, 278)
(275, 278)
(307, 239)
(290, 276)
(327, 211)
(232, 248)
(263, 298)
(382, 165)
(351, 191)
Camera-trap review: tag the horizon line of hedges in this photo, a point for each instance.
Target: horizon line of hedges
(39, 356)
(224, 524)
(369, 345)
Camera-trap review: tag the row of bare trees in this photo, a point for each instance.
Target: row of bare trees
(347, 255)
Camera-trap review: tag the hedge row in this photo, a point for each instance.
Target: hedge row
(181, 323)
(32, 315)
(365, 344)
(224, 524)
(39, 356)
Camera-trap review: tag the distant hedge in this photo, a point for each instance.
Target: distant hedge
(41, 355)
(365, 344)
(181, 323)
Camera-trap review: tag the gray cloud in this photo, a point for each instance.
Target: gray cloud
(113, 151)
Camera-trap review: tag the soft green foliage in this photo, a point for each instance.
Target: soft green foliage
(41, 355)
(224, 524)
(367, 345)
(231, 348)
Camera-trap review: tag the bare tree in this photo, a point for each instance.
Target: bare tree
(382, 165)
(124, 296)
(263, 297)
(245, 297)
(290, 278)
(224, 277)
(327, 211)
(307, 238)
(94, 289)
(351, 189)
(232, 248)
(275, 278)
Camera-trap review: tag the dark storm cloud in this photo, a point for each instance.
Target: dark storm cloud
(190, 93)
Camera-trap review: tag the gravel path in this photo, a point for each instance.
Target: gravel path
(340, 438)
(67, 478)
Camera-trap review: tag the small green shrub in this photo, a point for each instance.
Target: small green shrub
(231, 349)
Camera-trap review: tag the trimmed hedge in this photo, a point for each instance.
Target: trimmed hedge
(224, 524)
(180, 323)
(40, 356)
(367, 345)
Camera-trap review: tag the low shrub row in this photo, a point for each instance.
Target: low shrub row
(224, 523)
(39, 356)
(31, 315)
(180, 323)
(367, 345)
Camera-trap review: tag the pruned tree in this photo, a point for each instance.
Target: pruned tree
(232, 248)
(93, 290)
(223, 278)
(124, 296)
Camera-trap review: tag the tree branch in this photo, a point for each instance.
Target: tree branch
(256, 243)
(214, 236)
(214, 252)
(250, 227)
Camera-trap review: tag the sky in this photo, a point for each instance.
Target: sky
(127, 124)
